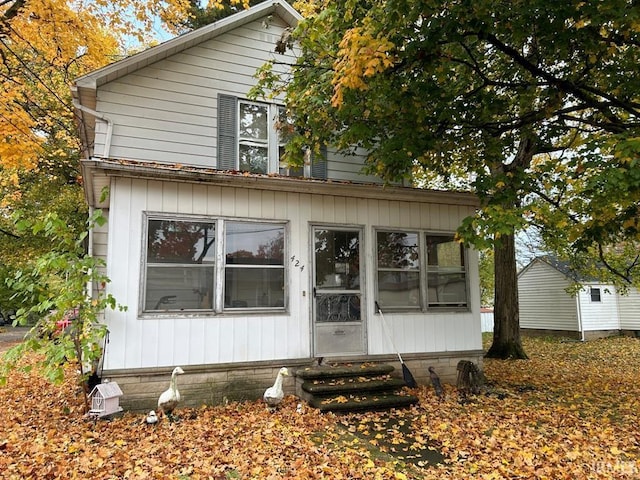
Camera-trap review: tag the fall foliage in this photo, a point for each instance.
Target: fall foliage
(532, 105)
(569, 412)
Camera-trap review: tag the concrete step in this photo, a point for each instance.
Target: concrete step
(352, 387)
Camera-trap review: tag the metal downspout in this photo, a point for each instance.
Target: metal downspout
(579, 311)
(101, 116)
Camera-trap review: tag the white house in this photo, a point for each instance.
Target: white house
(596, 310)
(233, 265)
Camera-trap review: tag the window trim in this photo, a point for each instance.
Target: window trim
(219, 267)
(424, 306)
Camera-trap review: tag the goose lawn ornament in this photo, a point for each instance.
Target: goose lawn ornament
(169, 400)
(274, 395)
(152, 417)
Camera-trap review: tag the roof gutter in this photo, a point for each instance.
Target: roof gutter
(101, 116)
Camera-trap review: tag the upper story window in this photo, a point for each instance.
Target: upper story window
(417, 269)
(186, 271)
(252, 138)
(596, 295)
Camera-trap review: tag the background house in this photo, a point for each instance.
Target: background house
(231, 263)
(597, 310)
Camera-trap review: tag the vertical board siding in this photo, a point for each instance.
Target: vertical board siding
(147, 342)
(544, 303)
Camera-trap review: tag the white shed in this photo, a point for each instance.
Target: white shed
(596, 310)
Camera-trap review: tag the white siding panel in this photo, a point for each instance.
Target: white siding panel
(601, 315)
(544, 303)
(155, 106)
(629, 308)
(167, 111)
(146, 342)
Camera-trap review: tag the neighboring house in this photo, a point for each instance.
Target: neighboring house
(233, 265)
(597, 309)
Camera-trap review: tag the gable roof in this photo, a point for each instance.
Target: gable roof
(178, 44)
(84, 89)
(107, 390)
(561, 266)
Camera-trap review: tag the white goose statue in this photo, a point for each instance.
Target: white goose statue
(169, 399)
(274, 395)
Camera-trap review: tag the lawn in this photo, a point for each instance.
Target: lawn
(571, 412)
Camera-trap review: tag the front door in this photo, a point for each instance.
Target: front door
(337, 291)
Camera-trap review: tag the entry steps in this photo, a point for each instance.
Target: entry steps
(345, 388)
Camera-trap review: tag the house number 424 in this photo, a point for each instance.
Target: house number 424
(296, 263)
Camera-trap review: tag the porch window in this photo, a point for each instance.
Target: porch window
(418, 269)
(180, 265)
(184, 271)
(446, 272)
(398, 269)
(254, 272)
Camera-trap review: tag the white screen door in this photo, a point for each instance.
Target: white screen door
(337, 292)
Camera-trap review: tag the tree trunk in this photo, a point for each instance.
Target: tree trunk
(506, 315)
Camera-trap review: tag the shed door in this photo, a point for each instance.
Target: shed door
(337, 291)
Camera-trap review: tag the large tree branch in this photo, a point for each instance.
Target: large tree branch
(584, 93)
(9, 14)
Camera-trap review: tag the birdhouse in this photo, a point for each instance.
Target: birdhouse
(105, 400)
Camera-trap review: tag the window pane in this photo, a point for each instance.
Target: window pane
(169, 241)
(253, 158)
(447, 289)
(254, 243)
(337, 259)
(399, 289)
(443, 251)
(179, 288)
(254, 121)
(398, 250)
(253, 287)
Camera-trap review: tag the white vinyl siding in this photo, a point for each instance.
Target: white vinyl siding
(629, 310)
(599, 315)
(167, 112)
(236, 337)
(544, 302)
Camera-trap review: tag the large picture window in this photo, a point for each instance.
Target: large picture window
(417, 270)
(183, 270)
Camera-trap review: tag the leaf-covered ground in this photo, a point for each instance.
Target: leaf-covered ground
(571, 412)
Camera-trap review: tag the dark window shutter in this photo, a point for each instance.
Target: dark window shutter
(227, 131)
(319, 163)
